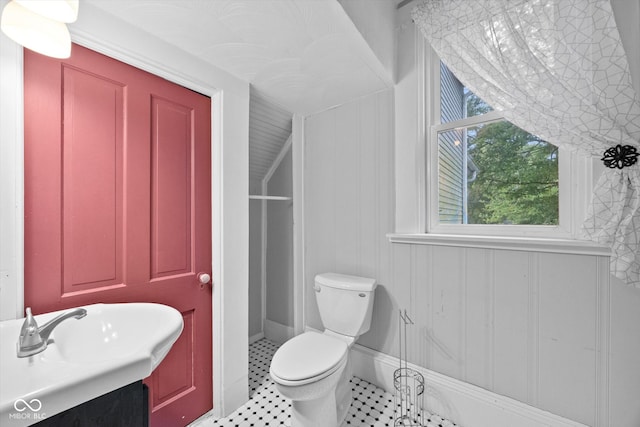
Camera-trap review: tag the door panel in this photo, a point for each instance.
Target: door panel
(171, 233)
(92, 187)
(169, 383)
(118, 206)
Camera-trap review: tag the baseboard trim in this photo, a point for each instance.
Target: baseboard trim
(256, 337)
(277, 332)
(463, 403)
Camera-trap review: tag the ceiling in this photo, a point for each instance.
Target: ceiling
(304, 55)
(299, 56)
(269, 129)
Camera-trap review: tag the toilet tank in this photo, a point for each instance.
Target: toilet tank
(345, 302)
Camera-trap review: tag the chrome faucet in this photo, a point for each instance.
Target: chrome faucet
(33, 339)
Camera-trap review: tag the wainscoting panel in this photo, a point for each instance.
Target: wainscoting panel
(479, 318)
(532, 326)
(320, 234)
(510, 323)
(567, 346)
(452, 399)
(521, 324)
(623, 388)
(348, 176)
(447, 317)
(345, 174)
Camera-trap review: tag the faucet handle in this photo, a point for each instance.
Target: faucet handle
(29, 335)
(30, 325)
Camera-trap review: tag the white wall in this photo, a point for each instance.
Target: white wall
(552, 330)
(255, 261)
(375, 20)
(230, 114)
(11, 181)
(348, 202)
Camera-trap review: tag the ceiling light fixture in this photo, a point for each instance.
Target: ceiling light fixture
(39, 25)
(58, 10)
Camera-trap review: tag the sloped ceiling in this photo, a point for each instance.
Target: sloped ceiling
(269, 128)
(305, 55)
(300, 56)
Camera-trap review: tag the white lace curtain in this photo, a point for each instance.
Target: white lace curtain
(557, 69)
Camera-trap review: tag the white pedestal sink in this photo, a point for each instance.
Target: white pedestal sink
(112, 346)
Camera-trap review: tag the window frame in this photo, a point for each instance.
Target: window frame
(574, 173)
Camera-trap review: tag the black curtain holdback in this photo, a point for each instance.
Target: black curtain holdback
(620, 156)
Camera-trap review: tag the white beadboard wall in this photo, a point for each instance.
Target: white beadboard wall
(543, 328)
(279, 247)
(347, 179)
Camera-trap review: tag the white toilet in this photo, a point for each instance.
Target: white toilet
(312, 369)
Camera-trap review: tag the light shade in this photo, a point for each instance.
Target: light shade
(58, 10)
(36, 32)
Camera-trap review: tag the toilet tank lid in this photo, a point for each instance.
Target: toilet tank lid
(344, 281)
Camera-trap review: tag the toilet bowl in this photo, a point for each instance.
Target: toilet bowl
(313, 369)
(307, 369)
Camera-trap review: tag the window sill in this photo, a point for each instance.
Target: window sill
(564, 246)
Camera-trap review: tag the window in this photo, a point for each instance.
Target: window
(486, 176)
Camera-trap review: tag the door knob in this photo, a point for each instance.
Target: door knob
(204, 278)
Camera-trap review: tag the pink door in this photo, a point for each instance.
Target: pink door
(118, 206)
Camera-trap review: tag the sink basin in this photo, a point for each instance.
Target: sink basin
(112, 346)
(117, 331)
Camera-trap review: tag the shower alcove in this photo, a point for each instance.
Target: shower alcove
(271, 231)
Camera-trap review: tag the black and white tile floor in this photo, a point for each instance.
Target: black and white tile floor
(371, 405)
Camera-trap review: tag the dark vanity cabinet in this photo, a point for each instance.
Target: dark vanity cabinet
(125, 407)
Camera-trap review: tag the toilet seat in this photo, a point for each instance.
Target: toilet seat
(307, 358)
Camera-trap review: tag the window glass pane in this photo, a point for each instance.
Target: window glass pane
(456, 101)
(451, 177)
(497, 173)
